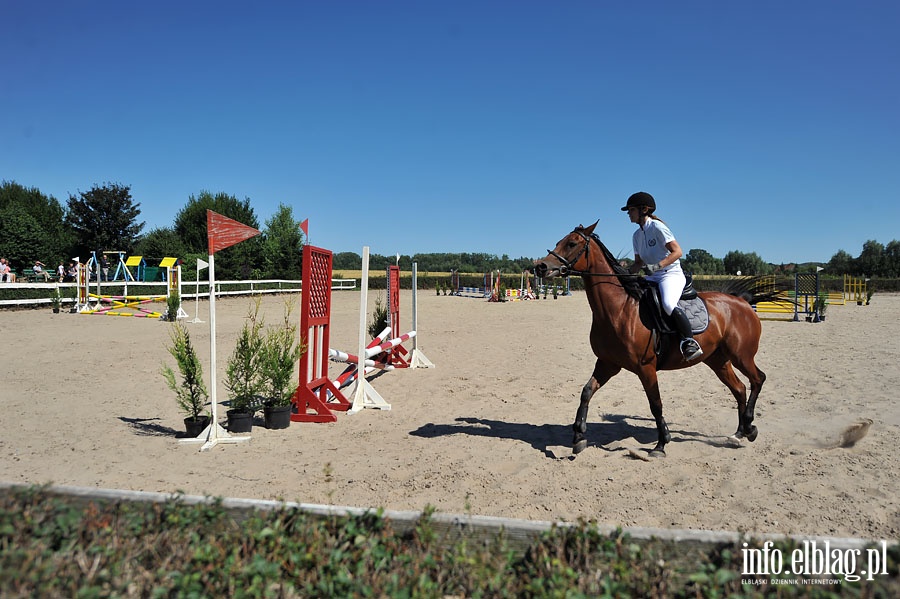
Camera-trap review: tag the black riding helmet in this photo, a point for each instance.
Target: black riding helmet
(641, 198)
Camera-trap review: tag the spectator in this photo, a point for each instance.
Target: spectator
(71, 273)
(6, 273)
(104, 266)
(60, 272)
(39, 271)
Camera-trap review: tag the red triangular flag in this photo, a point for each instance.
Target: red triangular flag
(224, 232)
(304, 226)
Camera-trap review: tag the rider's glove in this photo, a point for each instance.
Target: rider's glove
(653, 267)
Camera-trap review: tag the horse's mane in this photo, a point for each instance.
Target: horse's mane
(629, 281)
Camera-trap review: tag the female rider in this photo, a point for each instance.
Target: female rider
(656, 249)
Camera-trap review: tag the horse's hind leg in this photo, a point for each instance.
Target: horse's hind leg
(602, 373)
(722, 367)
(757, 377)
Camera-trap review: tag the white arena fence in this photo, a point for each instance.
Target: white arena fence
(189, 289)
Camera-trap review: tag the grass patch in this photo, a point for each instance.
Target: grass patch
(55, 546)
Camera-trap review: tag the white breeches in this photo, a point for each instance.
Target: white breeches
(671, 284)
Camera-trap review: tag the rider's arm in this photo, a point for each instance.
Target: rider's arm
(673, 255)
(636, 266)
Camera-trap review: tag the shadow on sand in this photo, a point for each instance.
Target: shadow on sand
(549, 439)
(148, 427)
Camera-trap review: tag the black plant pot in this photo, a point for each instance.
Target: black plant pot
(239, 422)
(277, 417)
(195, 426)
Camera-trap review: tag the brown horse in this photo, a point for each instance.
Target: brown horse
(620, 340)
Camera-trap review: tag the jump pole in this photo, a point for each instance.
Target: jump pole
(201, 264)
(417, 358)
(364, 394)
(213, 434)
(316, 395)
(397, 356)
(222, 232)
(82, 301)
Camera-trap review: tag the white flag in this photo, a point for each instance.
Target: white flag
(201, 264)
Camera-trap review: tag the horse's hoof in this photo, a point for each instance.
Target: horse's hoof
(658, 453)
(751, 436)
(579, 446)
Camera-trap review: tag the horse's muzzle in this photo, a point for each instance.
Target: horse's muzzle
(542, 270)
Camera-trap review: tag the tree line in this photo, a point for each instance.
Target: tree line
(876, 261)
(106, 218)
(465, 263)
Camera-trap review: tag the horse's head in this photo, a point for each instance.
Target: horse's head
(570, 256)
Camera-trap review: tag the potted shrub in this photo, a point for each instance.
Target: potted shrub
(242, 375)
(280, 352)
(190, 394)
(173, 303)
(379, 318)
(55, 300)
(869, 293)
(819, 307)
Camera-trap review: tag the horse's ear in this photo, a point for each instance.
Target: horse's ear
(590, 230)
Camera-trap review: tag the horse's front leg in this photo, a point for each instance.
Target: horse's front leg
(651, 388)
(602, 373)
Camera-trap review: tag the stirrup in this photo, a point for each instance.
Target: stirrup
(690, 349)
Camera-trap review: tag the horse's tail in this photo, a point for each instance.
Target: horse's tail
(756, 289)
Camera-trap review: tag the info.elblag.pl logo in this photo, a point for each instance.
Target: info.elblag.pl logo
(814, 558)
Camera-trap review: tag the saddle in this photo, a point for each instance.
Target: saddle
(654, 317)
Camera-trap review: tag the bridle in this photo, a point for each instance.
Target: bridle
(567, 267)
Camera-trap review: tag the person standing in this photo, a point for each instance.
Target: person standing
(6, 273)
(104, 266)
(656, 248)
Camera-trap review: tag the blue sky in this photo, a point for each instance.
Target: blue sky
(457, 126)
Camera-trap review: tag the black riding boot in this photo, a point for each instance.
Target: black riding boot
(690, 349)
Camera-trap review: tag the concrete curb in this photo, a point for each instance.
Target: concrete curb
(518, 533)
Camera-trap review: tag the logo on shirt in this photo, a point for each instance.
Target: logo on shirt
(651, 242)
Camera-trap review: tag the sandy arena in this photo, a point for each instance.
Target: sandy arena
(488, 431)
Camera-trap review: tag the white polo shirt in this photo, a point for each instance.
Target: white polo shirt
(650, 241)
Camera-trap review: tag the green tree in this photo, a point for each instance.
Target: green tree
(870, 260)
(161, 243)
(104, 218)
(347, 261)
(22, 241)
(701, 262)
(747, 264)
(282, 245)
(34, 227)
(891, 259)
(236, 262)
(379, 262)
(842, 263)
